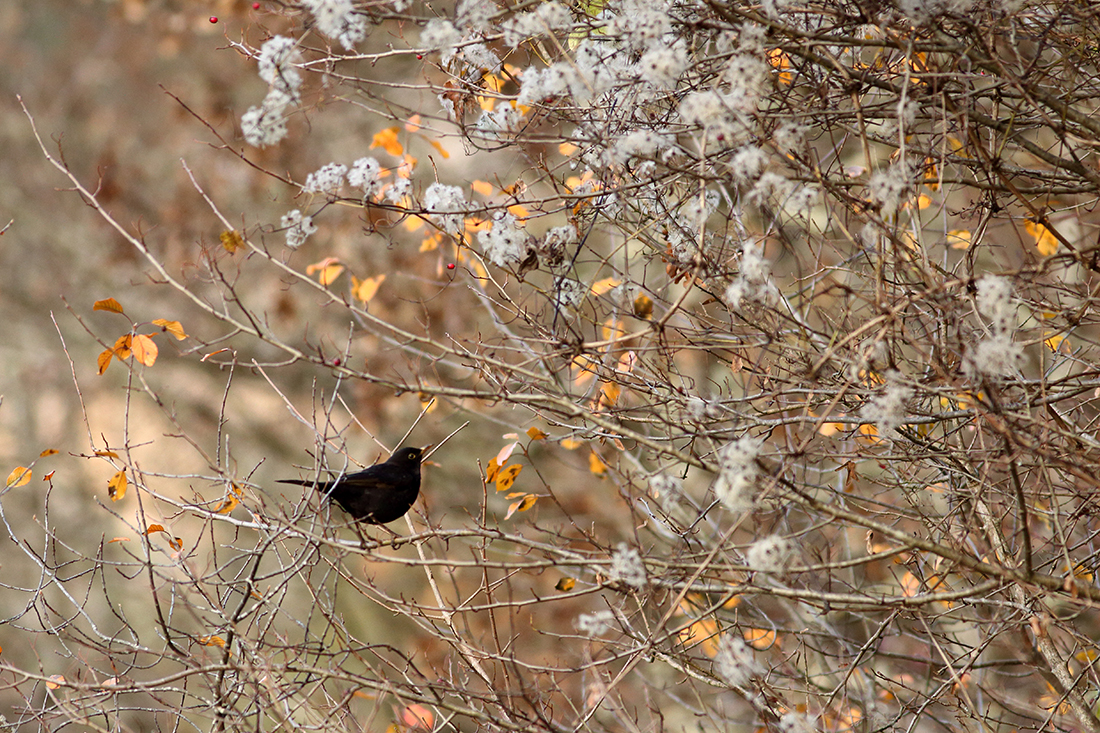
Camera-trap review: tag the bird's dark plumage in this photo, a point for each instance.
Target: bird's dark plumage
(380, 494)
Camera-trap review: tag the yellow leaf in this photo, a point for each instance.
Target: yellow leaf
(431, 242)
(1045, 241)
(602, 286)
(173, 327)
(483, 187)
(596, 464)
(958, 147)
(116, 486)
(923, 202)
(1055, 341)
(387, 140)
(491, 471)
(439, 147)
(232, 240)
(211, 641)
(570, 444)
(106, 454)
(108, 304)
(47, 452)
(366, 288)
(643, 307)
(18, 477)
(507, 476)
(145, 351)
(521, 506)
(958, 238)
(830, 428)
(536, 434)
(565, 585)
(428, 403)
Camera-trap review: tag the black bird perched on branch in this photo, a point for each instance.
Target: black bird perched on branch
(381, 493)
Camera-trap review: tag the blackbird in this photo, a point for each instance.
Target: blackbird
(381, 493)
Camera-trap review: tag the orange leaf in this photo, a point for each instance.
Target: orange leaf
(54, 681)
(18, 477)
(703, 633)
(596, 464)
(153, 528)
(416, 717)
(118, 539)
(211, 641)
(145, 351)
(910, 586)
(413, 123)
(521, 506)
(48, 452)
(483, 187)
(760, 638)
(108, 304)
(366, 289)
(48, 476)
(1045, 241)
(536, 434)
(232, 240)
(609, 393)
(228, 504)
(387, 140)
(106, 454)
(175, 543)
(507, 476)
(122, 347)
(439, 147)
(570, 444)
(116, 486)
(602, 286)
(103, 361)
(565, 584)
(173, 327)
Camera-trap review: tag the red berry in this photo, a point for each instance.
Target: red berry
(450, 265)
(336, 361)
(420, 55)
(213, 19)
(255, 6)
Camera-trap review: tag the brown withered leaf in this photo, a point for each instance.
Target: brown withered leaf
(232, 240)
